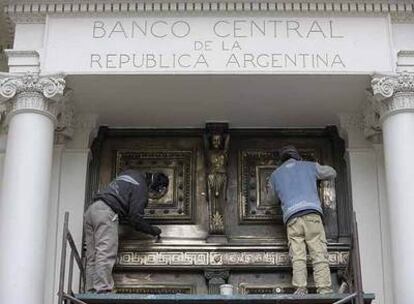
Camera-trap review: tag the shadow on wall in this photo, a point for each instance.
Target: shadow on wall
(3, 58)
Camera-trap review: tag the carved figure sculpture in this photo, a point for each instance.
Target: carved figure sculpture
(216, 146)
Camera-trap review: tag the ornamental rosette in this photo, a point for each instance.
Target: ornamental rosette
(387, 86)
(50, 86)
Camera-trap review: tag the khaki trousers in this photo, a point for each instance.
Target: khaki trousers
(303, 232)
(101, 237)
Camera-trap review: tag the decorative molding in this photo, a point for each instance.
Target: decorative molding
(36, 12)
(31, 92)
(216, 223)
(393, 94)
(255, 168)
(192, 259)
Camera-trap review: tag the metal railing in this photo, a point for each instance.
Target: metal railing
(67, 297)
(355, 264)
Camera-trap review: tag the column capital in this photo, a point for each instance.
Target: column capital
(31, 92)
(393, 93)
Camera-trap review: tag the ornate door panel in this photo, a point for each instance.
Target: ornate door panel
(251, 253)
(177, 154)
(254, 156)
(176, 204)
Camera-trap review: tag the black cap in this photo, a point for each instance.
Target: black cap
(157, 181)
(288, 152)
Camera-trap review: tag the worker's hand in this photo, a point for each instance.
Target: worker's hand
(158, 239)
(157, 231)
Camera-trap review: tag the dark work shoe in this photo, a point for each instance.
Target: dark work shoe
(301, 291)
(105, 291)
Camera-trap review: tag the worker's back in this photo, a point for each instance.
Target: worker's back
(295, 183)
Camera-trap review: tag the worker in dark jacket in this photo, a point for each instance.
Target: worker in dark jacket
(124, 198)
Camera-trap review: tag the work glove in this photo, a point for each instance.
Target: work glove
(156, 231)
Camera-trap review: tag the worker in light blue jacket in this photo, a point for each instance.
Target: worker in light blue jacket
(295, 183)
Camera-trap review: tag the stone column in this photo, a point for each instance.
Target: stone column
(395, 106)
(32, 105)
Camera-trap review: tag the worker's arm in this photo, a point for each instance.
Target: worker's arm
(137, 202)
(325, 172)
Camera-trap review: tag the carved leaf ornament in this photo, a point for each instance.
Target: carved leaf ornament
(50, 86)
(385, 87)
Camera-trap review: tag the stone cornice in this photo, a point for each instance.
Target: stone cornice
(36, 11)
(393, 94)
(32, 93)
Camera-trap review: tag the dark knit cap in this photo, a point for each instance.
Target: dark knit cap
(289, 151)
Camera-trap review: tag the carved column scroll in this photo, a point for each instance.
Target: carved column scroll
(394, 94)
